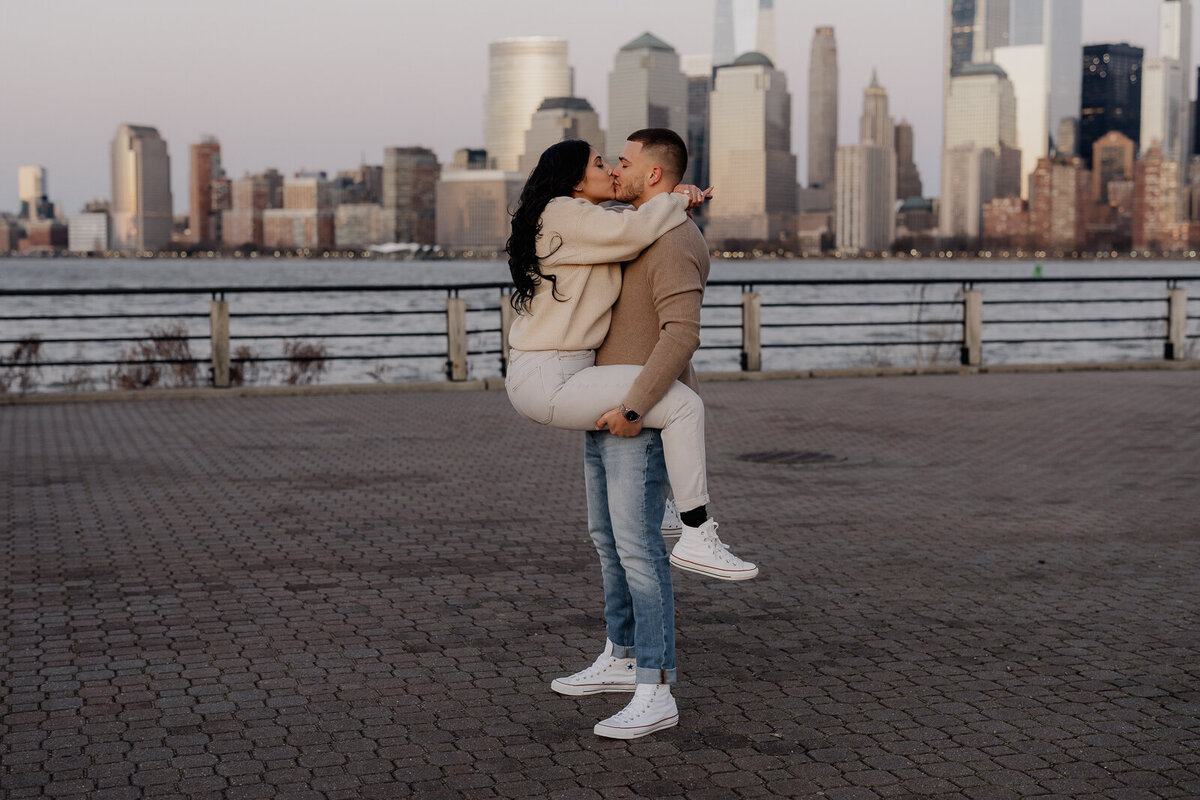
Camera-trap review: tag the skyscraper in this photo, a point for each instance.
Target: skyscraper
(1042, 62)
(1112, 94)
(558, 119)
(822, 108)
(1166, 95)
(875, 126)
(908, 177)
(1112, 160)
(31, 191)
(764, 40)
(864, 181)
(206, 167)
(750, 152)
(522, 72)
(981, 110)
(142, 212)
(724, 50)
(410, 176)
(698, 70)
(646, 89)
(973, 29)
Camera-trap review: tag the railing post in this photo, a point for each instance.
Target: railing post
(972, 346)
(507, 315)
(218, 318)
(1176, 346)
(751, 332)
(456, 338)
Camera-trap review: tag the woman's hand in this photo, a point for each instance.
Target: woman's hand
(694, 194)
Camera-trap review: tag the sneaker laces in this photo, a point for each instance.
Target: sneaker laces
(638, 706)
(602, 664)
(720, 549)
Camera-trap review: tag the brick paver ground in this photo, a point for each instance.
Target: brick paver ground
(994, 594)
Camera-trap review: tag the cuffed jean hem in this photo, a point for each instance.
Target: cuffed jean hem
(649, 675)
(621, 651)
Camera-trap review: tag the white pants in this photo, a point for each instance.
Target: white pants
(564, 389)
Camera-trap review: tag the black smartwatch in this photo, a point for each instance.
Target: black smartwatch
(629, 414)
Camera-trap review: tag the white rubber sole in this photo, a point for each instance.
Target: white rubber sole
(714, 572)
(613, 732)
(581, 689)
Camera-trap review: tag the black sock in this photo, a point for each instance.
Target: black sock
(695, 517)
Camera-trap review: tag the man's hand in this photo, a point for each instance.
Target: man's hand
(617, 424)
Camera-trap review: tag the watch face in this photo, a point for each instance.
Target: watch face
(631, 415)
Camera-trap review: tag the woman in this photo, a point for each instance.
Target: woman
(564, 256)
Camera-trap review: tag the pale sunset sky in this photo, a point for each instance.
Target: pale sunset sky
(316, 84)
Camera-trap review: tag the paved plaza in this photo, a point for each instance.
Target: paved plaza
(976, 586)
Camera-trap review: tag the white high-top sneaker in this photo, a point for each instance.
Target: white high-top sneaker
(701, 550)
(651, 709)
(607, 674)
(672, 525)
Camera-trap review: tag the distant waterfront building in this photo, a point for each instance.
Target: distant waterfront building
(362, 185)
(981, 112)
(699, 71)
(359, 225)
(252, 195)
(203, 219)
(142, 210)
(88, 232)
(469, 158)
(1006, 223)
(522, 72)
(764, 39)
(45, 236)
(1042, 61)
(31, 191)
(864, 181)
(472, 208)
(558, 119)
(410, 176)
(1112, 160)
(646, 89)
(822, 109)
(10, 233)
(968, 184)
(1112, 94)
(908, 177)
(750, 158)
(1059, 196)
(306, 220)
(724, 49)
(1156, 222)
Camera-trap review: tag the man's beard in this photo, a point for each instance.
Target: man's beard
(629, 192)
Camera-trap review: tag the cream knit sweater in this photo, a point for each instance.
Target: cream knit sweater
(583, 245)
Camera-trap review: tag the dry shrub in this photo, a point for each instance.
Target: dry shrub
(17, 368)
(243, 367)
(163, 358)
(306, 362)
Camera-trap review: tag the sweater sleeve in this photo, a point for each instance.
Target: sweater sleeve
(677, 289)
(575, 231)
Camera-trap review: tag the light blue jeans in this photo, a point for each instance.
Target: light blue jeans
(626, 490)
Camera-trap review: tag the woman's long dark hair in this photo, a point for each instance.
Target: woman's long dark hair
(558, 172)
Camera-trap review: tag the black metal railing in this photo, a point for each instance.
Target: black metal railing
(750, 316)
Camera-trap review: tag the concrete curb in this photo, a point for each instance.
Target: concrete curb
(495, 383)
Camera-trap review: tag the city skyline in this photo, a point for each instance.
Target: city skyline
(375, 79)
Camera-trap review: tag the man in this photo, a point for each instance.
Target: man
(655, 323)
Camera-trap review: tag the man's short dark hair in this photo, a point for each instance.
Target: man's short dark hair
(669, 148)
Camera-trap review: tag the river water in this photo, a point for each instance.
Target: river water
(914, 323)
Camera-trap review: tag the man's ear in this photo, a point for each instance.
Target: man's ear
(656, 175)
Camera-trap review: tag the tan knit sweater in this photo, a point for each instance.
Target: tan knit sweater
(656, 321)
(581, 244)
